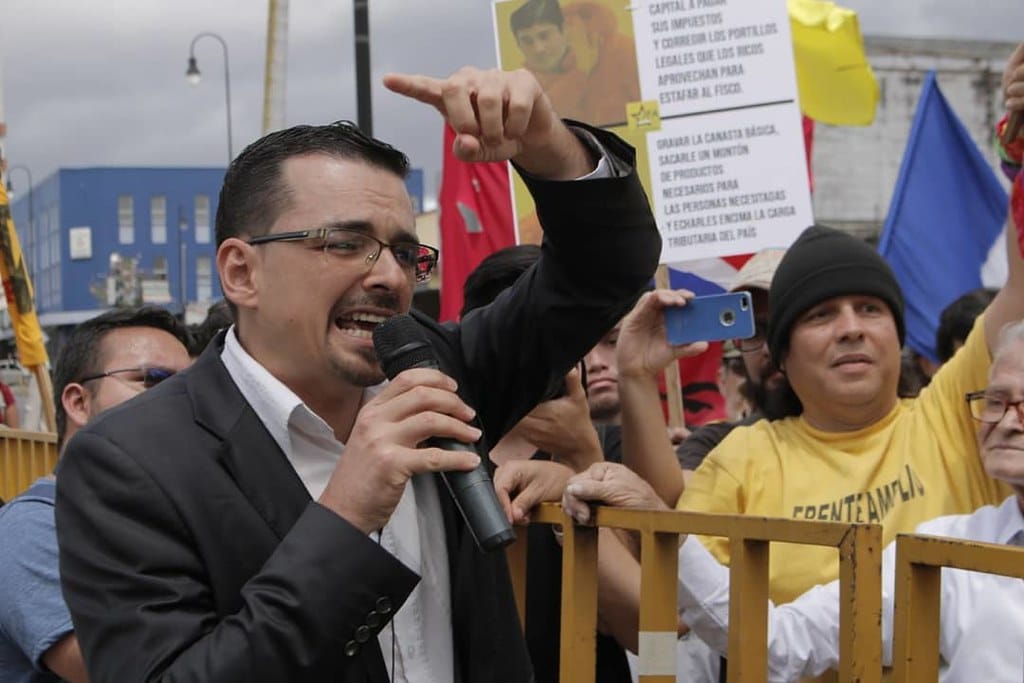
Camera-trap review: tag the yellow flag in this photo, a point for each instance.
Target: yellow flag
(18, 289)
(833, 76)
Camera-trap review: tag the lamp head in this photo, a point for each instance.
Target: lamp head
(192, 73)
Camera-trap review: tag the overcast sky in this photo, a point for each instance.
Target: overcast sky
(101, 82)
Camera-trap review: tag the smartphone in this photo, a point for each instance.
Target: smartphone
(711, 318)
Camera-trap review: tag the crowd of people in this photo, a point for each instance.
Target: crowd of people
(254, 501)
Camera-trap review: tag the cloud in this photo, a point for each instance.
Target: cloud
(92, 84)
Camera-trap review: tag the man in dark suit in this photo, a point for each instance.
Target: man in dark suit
(270, 514)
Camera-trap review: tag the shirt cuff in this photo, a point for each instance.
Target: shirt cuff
(605, 167)
(703, 597)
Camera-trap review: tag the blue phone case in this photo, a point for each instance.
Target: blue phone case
(711, 318)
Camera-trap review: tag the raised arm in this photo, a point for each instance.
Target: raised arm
(1008, 305)
(601, 242)
(500, 115)
(642, 353)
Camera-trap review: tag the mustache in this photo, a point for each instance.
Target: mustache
(383, 300)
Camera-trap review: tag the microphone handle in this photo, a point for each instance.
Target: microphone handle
(474, 495)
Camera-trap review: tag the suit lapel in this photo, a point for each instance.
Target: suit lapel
(247, 450)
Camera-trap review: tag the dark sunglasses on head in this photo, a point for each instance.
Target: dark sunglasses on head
(149, 377)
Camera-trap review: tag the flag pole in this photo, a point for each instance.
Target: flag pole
(28, 335)
(45, 386)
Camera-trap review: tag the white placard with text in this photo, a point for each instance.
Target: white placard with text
(728, 167)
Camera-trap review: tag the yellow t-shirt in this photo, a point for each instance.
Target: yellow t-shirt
(919, 462)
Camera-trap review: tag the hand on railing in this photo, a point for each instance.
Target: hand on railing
(523, 484)
(610, 484)
(562, 427)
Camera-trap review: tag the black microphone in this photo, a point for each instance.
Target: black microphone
(401, 345)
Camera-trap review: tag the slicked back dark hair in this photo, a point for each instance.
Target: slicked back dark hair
(253, 194)
(81, 355)
(533, 12)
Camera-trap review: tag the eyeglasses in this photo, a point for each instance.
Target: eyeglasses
(991, 409)
(418, 259)
(147, 377)
(755, 343)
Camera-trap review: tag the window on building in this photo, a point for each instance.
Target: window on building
(158, 219)
(202, 219)
(160, 266)
(204, 278)
(125, 219)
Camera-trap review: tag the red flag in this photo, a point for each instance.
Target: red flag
(476, 220)
(698, 376)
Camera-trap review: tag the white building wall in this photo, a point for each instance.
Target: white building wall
(855, 168)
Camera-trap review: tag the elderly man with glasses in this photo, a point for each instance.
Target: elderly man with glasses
(104, 361)
(274, 513)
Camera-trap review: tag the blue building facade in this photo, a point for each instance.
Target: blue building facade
(103, 236)
(100, 237)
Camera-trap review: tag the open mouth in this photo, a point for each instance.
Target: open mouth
(359, 324)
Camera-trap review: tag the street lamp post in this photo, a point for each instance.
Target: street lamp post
(32, 247)
(182, 259)
(192, 75)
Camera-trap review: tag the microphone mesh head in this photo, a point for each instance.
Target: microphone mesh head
(401, 344)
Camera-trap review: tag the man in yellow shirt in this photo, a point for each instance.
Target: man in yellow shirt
(851, 450)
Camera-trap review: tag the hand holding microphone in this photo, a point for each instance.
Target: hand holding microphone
(386, 446)
(401, 345)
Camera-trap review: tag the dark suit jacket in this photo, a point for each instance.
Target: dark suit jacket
(190, 550)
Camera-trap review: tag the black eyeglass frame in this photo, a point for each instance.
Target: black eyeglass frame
(146, 380)
(975, 395)
(431, 255)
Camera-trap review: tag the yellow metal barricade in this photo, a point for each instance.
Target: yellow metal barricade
(24, 457)
(919, 563)
(859, 545)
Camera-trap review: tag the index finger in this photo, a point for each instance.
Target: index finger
(1017, 58)
(574, 383)
(417, 377)
(505, 479)
(421, 88)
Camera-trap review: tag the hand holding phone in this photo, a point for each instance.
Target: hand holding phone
(711, 318)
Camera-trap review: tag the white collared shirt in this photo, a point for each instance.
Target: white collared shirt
(420, 632)
(981, 624)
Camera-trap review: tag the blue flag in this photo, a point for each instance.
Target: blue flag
(947, 210)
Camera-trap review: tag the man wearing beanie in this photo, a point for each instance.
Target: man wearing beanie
(850, 450)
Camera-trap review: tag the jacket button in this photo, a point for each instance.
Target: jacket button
(351, 648)
(362, 634)
(384, 605)
(373, 619)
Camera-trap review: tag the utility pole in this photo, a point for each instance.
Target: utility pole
(364, 107)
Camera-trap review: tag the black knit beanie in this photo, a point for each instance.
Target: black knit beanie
(825, 263)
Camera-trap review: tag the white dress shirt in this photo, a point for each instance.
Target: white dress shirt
(982, 619)
(420, 635)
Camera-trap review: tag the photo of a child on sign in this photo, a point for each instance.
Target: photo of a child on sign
(582, 53)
